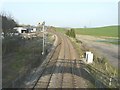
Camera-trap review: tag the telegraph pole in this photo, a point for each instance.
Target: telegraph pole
(43, 29)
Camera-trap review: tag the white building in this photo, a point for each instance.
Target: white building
(89, 57)
(21, 29)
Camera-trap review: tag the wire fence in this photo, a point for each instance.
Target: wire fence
(101, 79)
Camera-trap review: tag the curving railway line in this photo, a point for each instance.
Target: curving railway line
(63, 68)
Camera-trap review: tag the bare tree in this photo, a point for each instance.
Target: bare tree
(8, 23)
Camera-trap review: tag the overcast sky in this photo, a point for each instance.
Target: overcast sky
(64, 13)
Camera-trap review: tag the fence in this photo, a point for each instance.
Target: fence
(101, 79)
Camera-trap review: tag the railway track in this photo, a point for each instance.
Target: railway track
(63, 68)
(45, 77)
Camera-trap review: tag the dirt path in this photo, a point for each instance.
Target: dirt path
(110, 51)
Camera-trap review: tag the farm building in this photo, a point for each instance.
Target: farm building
(25, 29)
(21, 29)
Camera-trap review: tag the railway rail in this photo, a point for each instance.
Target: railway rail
(63, 67)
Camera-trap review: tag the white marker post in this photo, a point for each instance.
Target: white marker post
(89, 57)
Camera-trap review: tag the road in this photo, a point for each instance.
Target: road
(110, 51)
(63, 69)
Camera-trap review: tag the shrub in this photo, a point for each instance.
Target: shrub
(71, 33)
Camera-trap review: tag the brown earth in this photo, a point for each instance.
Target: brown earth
(110, 51)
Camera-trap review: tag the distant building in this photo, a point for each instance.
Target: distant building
(25, 29)
(21, 29)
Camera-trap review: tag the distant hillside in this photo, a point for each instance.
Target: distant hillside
(59, 29)
(110, 31)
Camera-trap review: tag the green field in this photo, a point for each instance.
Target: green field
(109, 31)
(62, 30)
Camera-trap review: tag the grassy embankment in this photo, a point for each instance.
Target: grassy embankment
(19, 63)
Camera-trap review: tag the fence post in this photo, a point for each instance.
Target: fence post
(106, 66)
(110, 81)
